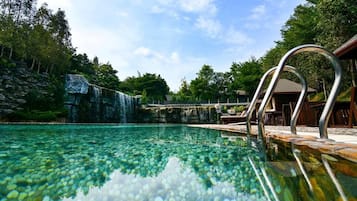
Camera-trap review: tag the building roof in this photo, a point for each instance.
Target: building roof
(348, 50)
(285, 86)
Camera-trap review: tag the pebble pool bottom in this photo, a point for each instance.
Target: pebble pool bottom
(128, 162)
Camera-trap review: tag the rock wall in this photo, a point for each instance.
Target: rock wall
(179, 114)
(15, 84)
(90, 103)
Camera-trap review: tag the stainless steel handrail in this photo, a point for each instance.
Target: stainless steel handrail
(259, 178)
(326, 113)
(298, 106)
(296, 154)
(333, 178)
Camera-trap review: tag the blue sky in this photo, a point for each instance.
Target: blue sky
(174, 38)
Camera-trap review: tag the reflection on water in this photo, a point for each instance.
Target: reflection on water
(175, 183)
(157, 162)
(58, 162)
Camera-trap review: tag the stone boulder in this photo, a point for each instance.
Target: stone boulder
(76, 84)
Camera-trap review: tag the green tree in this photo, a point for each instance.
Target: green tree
(337, 22)
(105, 76)
(80, 63)
(184, 94)
(246, 75)
(301, 27)
(154, 86)
(273, 56)
(201, 87)
(59, 28)
(220, 87)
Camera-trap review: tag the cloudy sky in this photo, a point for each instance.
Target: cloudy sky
(174, 38)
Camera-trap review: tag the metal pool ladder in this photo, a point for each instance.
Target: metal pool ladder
(323, 121)
(258, 91)
(326, 113)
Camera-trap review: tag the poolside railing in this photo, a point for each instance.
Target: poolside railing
(258, 91)
(326, 112)
(323, 122)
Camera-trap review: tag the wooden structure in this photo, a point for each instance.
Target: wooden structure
(283, 103)
(348, 51)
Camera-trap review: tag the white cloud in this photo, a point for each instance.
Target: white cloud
(142, 51)
(175, 57)
(123, 14)
(198, 6)
(258, 12)
(214, 29)
(150, 54)
(236, 37)
(157, 9)
(169, 65)
(161, 10)
(203, 7)
(156, 56)
(209, 26)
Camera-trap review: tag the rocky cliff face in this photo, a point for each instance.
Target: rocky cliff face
(179, 114)
(90, 103)
(15, 84)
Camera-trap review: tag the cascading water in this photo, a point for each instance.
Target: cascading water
(97, 94)
(126, 106)
(91, 103)
(122, 103)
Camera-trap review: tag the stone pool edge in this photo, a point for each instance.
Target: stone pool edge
(341, 142)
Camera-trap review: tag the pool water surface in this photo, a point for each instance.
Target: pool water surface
(144, 162)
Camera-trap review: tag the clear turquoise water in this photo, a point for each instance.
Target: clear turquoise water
(133, 162)
(160, 162)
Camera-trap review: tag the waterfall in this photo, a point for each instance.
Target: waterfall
(91, 103)
(126, 106)
(97, 95)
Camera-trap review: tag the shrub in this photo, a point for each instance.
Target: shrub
(38, 116)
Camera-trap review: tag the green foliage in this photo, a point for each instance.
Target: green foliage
(80, 63)
(273, 56)
(155, 86)
(36, 101)
(51, 99)
(240, 108)
(337, 22)
(246, 75)
(184, 95)
(301, 27)
(4, 62)
(328, 23)
(344, 96)
(202, 86)
(57, 90)
(144, 97)
(105, 76)
(35, 35)
(318, 97)
(35, 115)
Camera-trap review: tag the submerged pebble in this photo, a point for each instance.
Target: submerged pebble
(12, 195)
(22, 196)
(11, 187)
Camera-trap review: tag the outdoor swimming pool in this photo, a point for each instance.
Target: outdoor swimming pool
(154, 162)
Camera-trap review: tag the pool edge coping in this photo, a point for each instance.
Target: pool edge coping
(342, 145)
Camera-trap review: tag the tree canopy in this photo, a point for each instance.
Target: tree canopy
(151, 86)
(41, 38)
